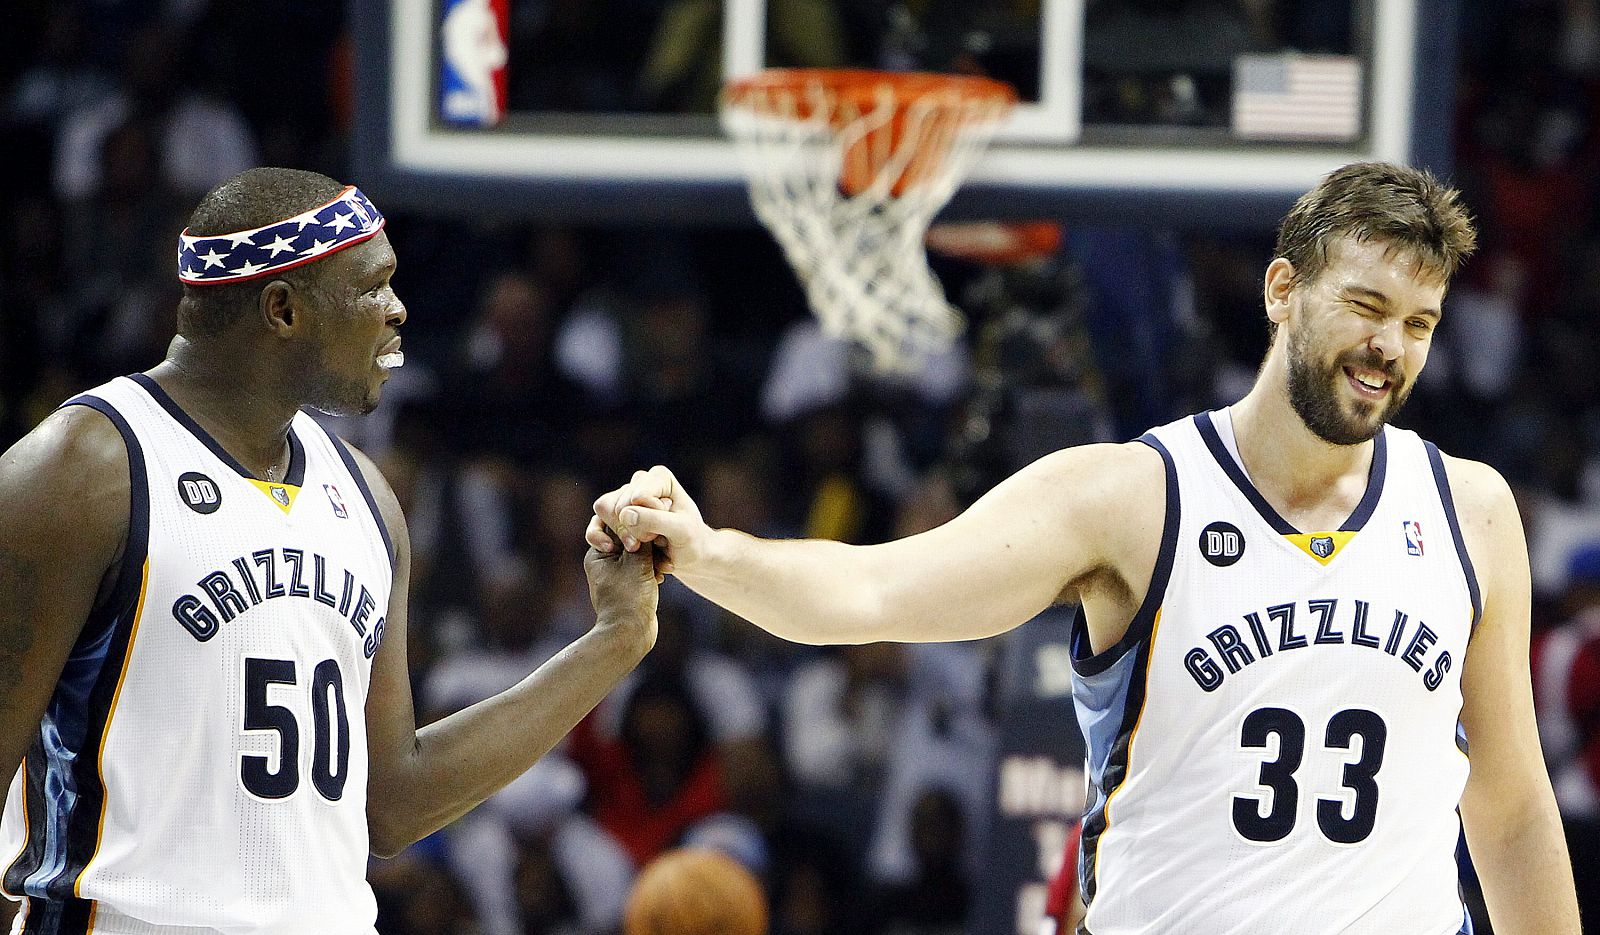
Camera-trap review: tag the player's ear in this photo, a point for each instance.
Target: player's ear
(1278, 284)
(277, 306)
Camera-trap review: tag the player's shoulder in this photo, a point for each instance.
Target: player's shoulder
(73, 447)
(1476, 487)
(67, 480)
(1105, 486)
(383, 495)
(1106, 469)
(1485, 507)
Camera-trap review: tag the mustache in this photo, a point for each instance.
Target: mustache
(1372, 360)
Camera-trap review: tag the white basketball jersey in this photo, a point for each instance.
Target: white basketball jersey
(202, 765)
(1273, 747)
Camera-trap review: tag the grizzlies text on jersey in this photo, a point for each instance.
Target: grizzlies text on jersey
(1274, 745)
(202, 765)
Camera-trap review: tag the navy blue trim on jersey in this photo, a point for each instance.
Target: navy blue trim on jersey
(296, 475)
(1448, 502)
(58, 918)
(63, 788)
(297, 454)
(1109, 689)
(1108, 706)
(1084, 661)
(1376, 475)
(366, 492)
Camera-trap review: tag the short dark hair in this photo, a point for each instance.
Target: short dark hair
(1408, 209)
(253, 198)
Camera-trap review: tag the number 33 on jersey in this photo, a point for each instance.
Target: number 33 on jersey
(1274, 746)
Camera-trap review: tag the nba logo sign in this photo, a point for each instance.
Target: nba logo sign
(1413, 537)
(336, 500)
(472, 70)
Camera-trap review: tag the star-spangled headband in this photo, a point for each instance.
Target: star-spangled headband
(343, 222)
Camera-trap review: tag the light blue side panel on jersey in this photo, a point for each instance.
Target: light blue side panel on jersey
(1101, 701)
(62, 735)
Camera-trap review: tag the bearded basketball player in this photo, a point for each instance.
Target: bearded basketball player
(1302, 660)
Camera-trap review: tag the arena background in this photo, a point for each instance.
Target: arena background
(567, 326)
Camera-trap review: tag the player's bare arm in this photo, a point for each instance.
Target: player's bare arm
(1508, 810)
(64, 494)
(1082, 523)
(422, 780)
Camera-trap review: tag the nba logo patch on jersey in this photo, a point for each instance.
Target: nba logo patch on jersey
(1413, 537)
(337, 501)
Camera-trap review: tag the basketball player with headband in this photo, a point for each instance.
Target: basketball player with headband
(203, 684)
(1303, 642)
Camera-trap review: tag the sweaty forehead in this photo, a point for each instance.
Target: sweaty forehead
(1381, 265)
(362, 261)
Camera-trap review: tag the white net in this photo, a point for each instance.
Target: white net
(848, 178)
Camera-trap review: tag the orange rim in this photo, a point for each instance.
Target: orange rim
(861, 86)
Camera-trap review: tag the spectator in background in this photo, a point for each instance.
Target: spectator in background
(198, 139)
(460, 518)
(1566, 669)
(417, 894)
(61, 80)
(514, 638)
(937, 898)
(513, 399)
(839, 718)
(659, 776)
(677, 753)
(548, 504)
(545, 904)
(649, 350)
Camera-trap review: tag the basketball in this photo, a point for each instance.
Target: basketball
(695, 892)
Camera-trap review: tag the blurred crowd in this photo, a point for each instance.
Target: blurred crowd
(545, 363)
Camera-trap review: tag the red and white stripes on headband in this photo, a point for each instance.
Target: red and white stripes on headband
(343, 222)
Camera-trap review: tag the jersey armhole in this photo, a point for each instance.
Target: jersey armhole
(1084, 661)
(366, 491)
(130, 572)
(1442, 481)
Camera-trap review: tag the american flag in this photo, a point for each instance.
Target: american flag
(1297, 97)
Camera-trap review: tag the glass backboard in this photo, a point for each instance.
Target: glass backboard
(1202, 111)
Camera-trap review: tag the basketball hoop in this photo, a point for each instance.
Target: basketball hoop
(847, 169)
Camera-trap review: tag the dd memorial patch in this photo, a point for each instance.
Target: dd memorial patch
(1222, 544)
(199, 492)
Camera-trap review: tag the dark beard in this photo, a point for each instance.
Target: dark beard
(1314, 394)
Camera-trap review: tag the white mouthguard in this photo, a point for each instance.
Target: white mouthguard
(393, 360)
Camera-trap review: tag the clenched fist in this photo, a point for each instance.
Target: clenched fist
(622, 588)
(652, 509)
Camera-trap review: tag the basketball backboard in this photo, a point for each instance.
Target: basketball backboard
(1191, 111)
